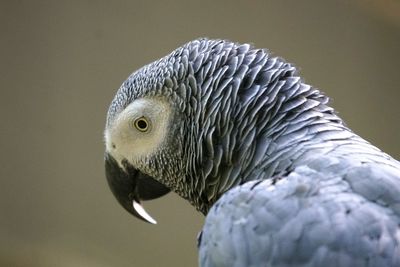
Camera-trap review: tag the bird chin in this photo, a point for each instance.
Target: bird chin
(130, 187)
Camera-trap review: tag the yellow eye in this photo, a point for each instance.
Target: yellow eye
(142, 124)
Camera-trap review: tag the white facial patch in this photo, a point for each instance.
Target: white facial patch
(123, 139)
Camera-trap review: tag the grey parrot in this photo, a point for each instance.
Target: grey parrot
(237, 133)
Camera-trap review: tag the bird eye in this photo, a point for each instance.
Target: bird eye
(142, 124)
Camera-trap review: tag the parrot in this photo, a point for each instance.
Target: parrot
(238, 133)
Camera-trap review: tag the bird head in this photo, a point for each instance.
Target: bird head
(199, 122)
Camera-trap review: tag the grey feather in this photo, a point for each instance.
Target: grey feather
(325, 213)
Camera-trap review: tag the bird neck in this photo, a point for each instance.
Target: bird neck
(260, 139)
(250, 120)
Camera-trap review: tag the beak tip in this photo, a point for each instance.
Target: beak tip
(142, 213)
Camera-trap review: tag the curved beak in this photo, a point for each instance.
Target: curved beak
(130, 186)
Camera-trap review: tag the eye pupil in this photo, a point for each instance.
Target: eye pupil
(141, 124)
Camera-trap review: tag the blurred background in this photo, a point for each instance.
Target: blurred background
(61, 63)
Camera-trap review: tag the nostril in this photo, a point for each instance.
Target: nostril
(113, 146)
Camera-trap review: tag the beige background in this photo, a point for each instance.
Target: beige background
(61, 63)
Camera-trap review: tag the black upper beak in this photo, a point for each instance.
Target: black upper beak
(130, 186)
